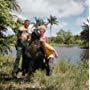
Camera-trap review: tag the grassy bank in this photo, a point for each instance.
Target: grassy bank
(66, 76)
(64, 45)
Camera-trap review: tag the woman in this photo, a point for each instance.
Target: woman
(49, 51)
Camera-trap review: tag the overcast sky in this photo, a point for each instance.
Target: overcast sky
(70, 13)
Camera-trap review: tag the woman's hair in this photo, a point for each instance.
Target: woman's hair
(42, 27)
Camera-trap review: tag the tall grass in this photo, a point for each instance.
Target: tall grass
(65, 76)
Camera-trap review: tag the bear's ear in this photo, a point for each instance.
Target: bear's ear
(37, 32)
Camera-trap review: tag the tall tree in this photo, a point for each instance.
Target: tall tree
(52, 20)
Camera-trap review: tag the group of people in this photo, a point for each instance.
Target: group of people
(24, 40)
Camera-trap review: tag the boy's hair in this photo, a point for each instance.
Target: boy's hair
(26, 20)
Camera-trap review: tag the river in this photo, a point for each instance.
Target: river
(72, 54)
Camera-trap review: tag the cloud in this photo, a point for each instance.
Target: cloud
(55, 28)
(61, 25)
(80, 21)
(84, 2)
(87, 3)
(62, 8)
(16, 16)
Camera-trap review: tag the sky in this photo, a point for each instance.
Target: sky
(70, 13)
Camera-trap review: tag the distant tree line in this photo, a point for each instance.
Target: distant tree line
(66, 37)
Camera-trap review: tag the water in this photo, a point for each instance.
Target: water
(73, 54)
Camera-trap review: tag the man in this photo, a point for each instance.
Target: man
(22, 38)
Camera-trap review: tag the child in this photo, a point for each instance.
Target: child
(49, 50)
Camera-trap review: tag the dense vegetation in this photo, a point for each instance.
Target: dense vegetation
(66, 38)
(6, 20)
(85, 34)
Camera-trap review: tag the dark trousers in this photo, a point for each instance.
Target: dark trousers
(25, 62)
(17, 61)
(20, 47)
(49, 63)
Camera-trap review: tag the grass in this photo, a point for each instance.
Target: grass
(65, 76)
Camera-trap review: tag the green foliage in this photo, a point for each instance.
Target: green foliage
(52, 20)
(39, 21)
(13, 5)
(81, 75)
(5, 44)
(77, 37)
(85, 35)
(66, 37)
(62, 66)
(56, 39)
(6, 19)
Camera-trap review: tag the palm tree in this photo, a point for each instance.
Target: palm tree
(52, 20)
(38, 22)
